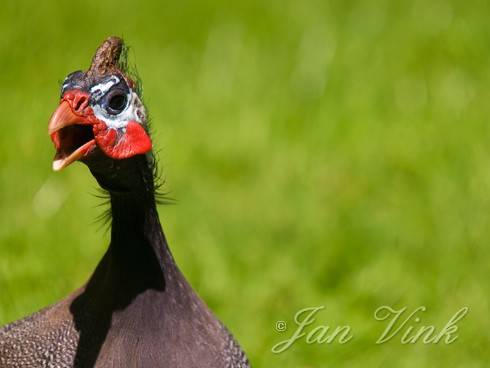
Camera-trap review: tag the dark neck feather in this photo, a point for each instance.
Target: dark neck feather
(138, 247)
(136, 287)
(132, 276)
(138, 244)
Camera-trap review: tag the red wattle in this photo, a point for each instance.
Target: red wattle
(134, 141)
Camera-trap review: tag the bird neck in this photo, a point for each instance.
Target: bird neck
(138, 244)
(135, 221)
(132, 278)
(138, 249)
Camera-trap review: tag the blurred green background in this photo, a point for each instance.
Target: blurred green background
(322, 153)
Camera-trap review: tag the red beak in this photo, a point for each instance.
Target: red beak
(71, 130)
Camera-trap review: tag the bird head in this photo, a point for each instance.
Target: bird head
(100, 112)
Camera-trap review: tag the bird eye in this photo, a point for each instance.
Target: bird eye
(116, 103)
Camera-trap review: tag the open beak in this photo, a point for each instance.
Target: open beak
(71, 134)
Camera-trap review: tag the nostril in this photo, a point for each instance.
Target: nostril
(80, 103)
(77, 100)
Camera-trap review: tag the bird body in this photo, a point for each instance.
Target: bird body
(137, 309)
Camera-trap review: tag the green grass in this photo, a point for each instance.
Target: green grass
(322, 153)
